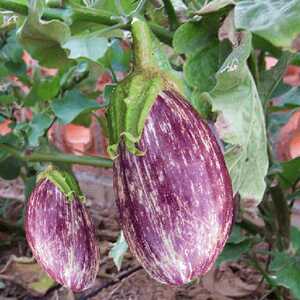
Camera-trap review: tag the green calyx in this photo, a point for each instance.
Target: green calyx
(132, 99)
(64, 181)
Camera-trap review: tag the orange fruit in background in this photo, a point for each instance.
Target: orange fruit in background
(294, 145)
(288, 141)
(78, 139)
(4, 127)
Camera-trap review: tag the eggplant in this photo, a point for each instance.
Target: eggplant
(175, 201)
(61, 234)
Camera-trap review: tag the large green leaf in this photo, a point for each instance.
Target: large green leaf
(88, 46)
(72, 105)
(276, 21)
(43, 39)
(200, 69)
(236, 98)
(193, 37)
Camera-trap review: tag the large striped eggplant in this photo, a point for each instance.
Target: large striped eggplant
(175, 201)
(60, 232)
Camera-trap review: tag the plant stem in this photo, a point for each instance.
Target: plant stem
(142, 43)
(266, 277)
(282, 212)
(85, 14)
(58, 157)
(169, 8)
(251, 227)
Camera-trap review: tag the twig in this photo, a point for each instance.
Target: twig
(58, 157)
(282, 212)
(119, 278)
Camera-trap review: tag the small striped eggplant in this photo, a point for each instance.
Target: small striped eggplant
(60, 232)
(175, 202)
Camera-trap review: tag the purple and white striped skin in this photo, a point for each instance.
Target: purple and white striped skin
(176, 201)
(62, 237)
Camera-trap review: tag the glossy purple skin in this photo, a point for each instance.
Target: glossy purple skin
(62, 237)
(175, 202)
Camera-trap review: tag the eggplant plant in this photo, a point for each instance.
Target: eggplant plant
(195, 114)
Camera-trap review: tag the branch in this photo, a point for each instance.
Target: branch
(84, 14)
(282, 213)
(58, 157)
(119, 278)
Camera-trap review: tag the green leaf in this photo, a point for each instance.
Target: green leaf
(233, 252)
(10, 168)
(243, 125)
(3, 154)
(290, 172)
(118, 251)
(42, 90)
(201, 102)
(270, 79)
(74, 75)
(87, 46)
(236, 235)
(286, 270)
(38, 125)
(43, 39)
(11, 54)
(200, 68)
(295, 238)
(276, 21)
(290, 99)
(72, 105)
(7, 99)
(12, 50)
(118, 58)
(108, 5)
(194, 36)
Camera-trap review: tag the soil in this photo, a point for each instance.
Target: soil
(232, 281)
